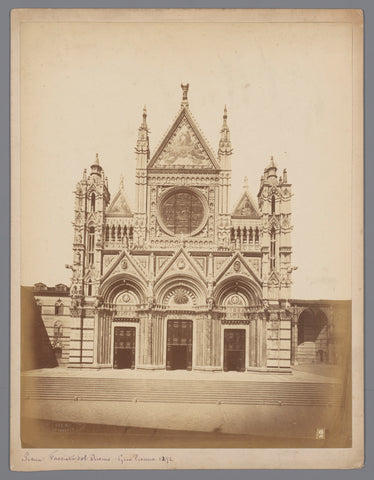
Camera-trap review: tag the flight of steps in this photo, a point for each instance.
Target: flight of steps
(182, 391)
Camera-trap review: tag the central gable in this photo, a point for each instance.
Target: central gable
(184, 147)
(181, 264)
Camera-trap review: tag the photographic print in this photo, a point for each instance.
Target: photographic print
(187, 257)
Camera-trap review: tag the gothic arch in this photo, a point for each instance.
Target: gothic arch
(120, 283)
(238, 284)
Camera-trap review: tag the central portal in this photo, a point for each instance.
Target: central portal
(179, 345)
(234, 350)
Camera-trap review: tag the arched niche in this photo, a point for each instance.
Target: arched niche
(185, 289)
(312, 337)
(115, 289)
(235, 299)
(247, 292)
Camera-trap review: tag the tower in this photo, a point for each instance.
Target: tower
(91, 199)
(274, 200)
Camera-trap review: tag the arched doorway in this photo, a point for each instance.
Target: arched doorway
(124, 342)
(180, 294)
(312, 337)
(117, 342)
(237, 295)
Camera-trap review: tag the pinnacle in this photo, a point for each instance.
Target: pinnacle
(121, 182)
(185, 93)
(144, 122)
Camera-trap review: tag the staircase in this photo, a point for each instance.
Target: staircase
(182, 391)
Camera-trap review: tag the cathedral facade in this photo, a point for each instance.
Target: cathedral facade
(182, 281)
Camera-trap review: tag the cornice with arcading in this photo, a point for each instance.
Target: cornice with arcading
(187, 178)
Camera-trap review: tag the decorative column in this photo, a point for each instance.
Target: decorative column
(145, 347)
(294, 336)
(158, 340)
(103, 338)
(252, 341)
(208, 342)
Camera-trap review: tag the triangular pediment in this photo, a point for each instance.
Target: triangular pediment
(119, 206)
(273, 278)
(246, 207)
(184, 147)
(125, 264)
(181, 263)
(274, 223)
(237, 265)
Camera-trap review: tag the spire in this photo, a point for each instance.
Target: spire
(144, 123)
(121, 182)
(271, 171)
(96, 167)
(245, 184)
(185, 93)
(285, 179)
(224, 148)
(142, 146)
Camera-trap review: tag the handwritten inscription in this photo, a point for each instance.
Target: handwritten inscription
(121, 459)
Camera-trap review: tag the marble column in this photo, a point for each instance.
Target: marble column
(208, 343)
(158, 341)
(104, 338)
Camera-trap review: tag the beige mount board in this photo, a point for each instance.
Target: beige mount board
(293, 84)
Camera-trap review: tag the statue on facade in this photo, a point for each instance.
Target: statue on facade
(210, 303)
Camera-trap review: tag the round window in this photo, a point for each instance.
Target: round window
(182, 212)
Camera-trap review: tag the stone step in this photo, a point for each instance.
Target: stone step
(180, 391)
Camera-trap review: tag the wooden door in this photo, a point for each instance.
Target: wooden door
(179, 345)
(124, 347)
(234, 350)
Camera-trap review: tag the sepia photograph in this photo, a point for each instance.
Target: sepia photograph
(187, 250)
